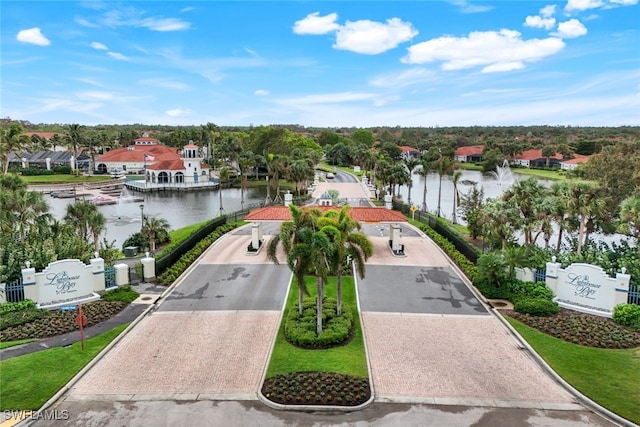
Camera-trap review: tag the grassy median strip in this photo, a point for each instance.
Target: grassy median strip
(349, 359)
(608, 377)
(15, 343)
(28, 381)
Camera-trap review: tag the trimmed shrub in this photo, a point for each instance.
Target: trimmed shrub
(9, 307)
(520, 289)
(627, 315)
(536, 306)
(300, 330)
(123, 293)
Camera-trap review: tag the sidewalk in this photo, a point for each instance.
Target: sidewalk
(127, 315)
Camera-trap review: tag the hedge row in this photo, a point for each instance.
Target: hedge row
(468, 267)
(172, 273)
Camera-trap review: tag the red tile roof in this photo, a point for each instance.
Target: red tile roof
(167, 165)
(407, 149)
(45, 135)
(577, 159)
(159, 152)
(535, 154)
(469, 150)
(358, 213)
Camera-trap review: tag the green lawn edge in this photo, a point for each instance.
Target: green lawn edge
(350, 359)
(607, 377)
(28, 382)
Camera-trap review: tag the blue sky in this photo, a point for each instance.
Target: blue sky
(325, 64)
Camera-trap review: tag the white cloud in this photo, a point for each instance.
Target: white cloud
(83, 22)
(94, 96)
(548, 11)
(116, 55)
(99, 46)
(328, 98)
(496, 51)
(581, 5)
(177, 112)
(624, 2)
(33, 36)
(571, 29)
(406, 78)
(261, 92)
(165, 24)
(371, 38)
(315, 24)
(187, 9)
(539, 22)
(165, 83)
(466, 7)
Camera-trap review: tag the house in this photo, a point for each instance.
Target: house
(571, 164)
(535, 159)
(160, 164)
(469, 153)
(409, 152)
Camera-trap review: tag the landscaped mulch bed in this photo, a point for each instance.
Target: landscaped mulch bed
(317, 388)
(580, 328)
(44, 324)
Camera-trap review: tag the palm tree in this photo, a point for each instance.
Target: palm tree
(456, 194)
(74, 140)
(424, 172)
(558, 194)
(349, 244)
(411, 163)
(527, 197)
(630, 217)
(12, 140)
(444, 166)
(78, 215)
(97, 223)
(26, 210)
(294, 232)
(152, 227)
(582, 202)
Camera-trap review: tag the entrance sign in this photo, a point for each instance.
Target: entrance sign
(64, 284)
(587, 288)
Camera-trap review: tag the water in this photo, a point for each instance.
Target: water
(179, 208)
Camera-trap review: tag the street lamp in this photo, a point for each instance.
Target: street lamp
(142, 216)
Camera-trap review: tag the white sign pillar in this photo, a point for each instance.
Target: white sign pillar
(48, 163)
(148, 268)
(97, 268)
(387, 201)
(122, 274)
(29, 283)
(288, 198)
(622, 287)
(256, 235)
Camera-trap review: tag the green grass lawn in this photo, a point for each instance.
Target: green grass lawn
(349, 359)
(608, 377)
(556, 174)
(14, 343)
(28, 381)
(64, 179)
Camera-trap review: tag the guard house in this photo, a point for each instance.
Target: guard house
(372, 215)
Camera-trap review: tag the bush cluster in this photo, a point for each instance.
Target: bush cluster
(317, 388)
(627, 315)
(173, 272)
(9, 307)
(536, 306)
(123, 293)
(300, 330)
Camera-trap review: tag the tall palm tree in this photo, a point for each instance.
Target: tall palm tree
(527, 197)
(75, 140)
(411, 163)
(558, 195)
(583, 199)
(298, 230)
(630, 217)
(152, 227)
(444, 166)
(12, 140)
(456, 194)
(348, 243)
(425, 168)
(78, 215)
(26, 208)
(97, 224)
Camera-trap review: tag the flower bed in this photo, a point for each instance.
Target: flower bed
(317, 388)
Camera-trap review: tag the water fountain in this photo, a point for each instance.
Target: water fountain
(503, 173)
(127, 206)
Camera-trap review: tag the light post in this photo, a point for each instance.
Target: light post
(142, 217)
